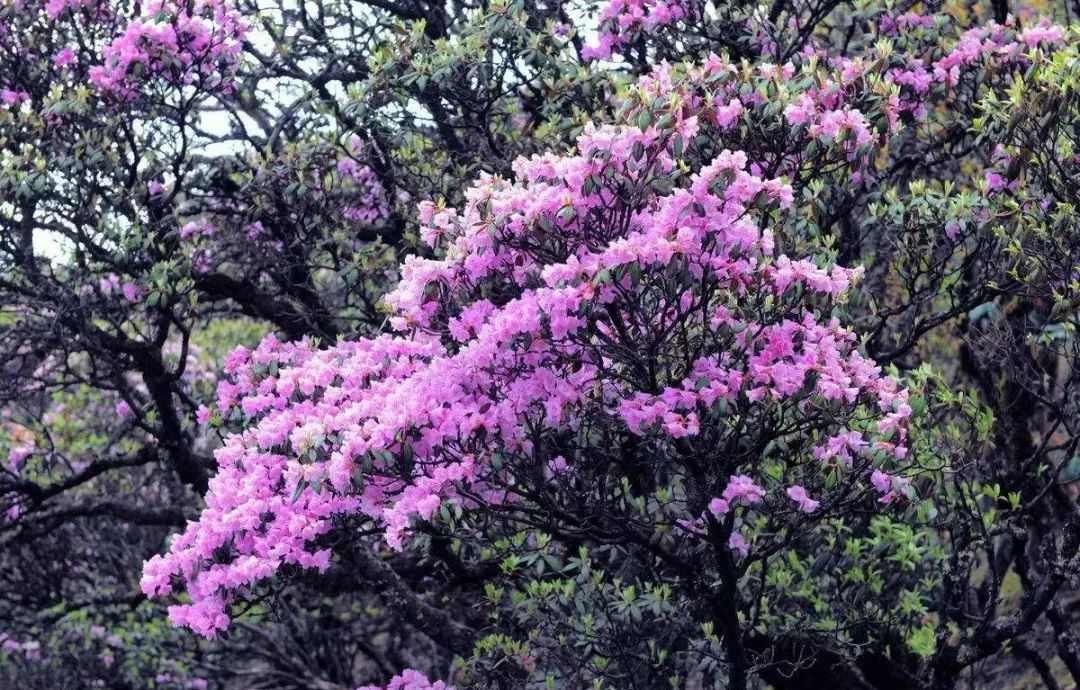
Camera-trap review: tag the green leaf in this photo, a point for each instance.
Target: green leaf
(300, 486)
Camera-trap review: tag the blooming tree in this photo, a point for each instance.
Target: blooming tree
(615, 312)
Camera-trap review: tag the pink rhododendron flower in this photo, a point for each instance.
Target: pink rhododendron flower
(409, 679)
(743, 491)
(799, 495)
(64, 58)
(719, 507)
(131, 292)
(738, 544)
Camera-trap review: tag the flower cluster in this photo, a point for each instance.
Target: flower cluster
(178, 43)
(409, 679)
(56, 8)
(111, 284)
(369, 197)
(621, 20)
(826, 107)
(29, 649)
(996, 42)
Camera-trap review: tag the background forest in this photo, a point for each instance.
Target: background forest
(625, 344)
